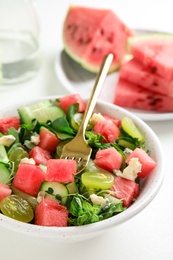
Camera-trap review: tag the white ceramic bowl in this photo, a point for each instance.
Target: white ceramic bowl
(149, 190)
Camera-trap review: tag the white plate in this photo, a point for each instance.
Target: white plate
(75, 79)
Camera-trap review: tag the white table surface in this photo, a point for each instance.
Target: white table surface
(149, 235)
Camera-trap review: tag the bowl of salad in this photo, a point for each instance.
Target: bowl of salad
(42, 196)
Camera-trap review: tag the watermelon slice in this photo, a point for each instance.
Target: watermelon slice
(155, 52)
(137, 73)
(132, 95)
(89, 34)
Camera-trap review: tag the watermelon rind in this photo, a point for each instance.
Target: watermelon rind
(89, 66)
(144, 37)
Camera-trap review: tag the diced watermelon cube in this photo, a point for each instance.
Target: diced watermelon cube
(40, 155)
(125, 189)
(6, 123)
(48, 140)
(148, 164)
(28, 178)
(109, 159)
(66, 101)
(50, 213)
(4, 191)
(61, 170)
(116, 121)
(108, 129)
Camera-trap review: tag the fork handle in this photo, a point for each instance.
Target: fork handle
(95, 93)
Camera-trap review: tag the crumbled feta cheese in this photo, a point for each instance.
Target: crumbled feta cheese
(103, 202)
(43, 194)
(35, 138)
(28, 160)
(127, 151)
(96, 117)
(7, 140)
(132, 170)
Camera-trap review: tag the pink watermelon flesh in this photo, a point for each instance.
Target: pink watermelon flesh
(40, 155)
(148, 164)
(4, 191)
(156, 55)
(109, 159)
(89, 34)
(125, 189)
(69, 100)
(108, 129)
(61, 170)
(28, 178)
(49, 213)
(131, 95)
(137, 73)
(48, 140)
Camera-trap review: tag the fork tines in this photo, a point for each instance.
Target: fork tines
(77, 159)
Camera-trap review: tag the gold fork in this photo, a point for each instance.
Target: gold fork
(78, 149)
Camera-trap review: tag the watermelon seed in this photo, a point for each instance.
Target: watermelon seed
(155, 101)
(101, 31)
(110, 38)
(154, 84)
(153, 69)
(84, 41)
(73, 28)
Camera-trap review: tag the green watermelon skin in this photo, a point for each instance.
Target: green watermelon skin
(130, 95)
(154, 52)
(89, 34)
(137, 73)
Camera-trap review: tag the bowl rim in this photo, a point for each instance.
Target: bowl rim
(70, 232)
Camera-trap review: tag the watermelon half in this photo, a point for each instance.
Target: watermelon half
(154, 51)
(89, 34)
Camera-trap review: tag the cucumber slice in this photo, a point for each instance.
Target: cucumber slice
(76, 120)
(42, 111)
(55, 188)
(72, 188)
(5, 174)
(3, 154)
(131, 129)
(126, 144)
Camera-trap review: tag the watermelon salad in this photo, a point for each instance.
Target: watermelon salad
(38, 187)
